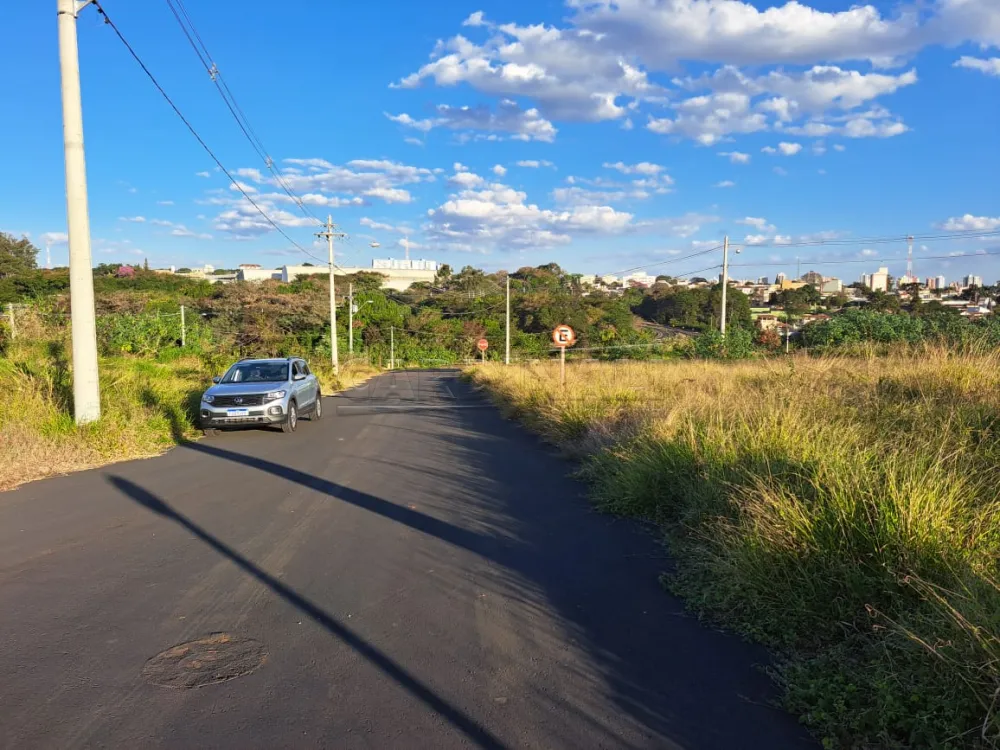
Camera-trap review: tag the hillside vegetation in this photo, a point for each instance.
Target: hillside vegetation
(844, 511)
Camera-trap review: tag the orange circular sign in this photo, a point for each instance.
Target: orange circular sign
(482, 345)
(563, 336)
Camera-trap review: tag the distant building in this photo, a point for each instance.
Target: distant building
(763, 280)
(972, 281)
(249, 266)
(814, 278)
(878, 281)
(640, 279)
(906, 279)
(249, 273)
(936, 282)
(780, 278)
(394, 264)
(831, 285)
(398, 274)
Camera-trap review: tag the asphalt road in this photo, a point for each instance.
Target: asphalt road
(414, 571)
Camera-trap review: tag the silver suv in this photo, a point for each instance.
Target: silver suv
(262, 392)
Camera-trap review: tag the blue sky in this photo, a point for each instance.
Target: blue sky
(599, 135)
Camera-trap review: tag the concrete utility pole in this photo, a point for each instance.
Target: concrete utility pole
(725, 282)
(330, 234)
(183, 329)
(350, 319)
(86, 379)
(392, 347)
(506, 356)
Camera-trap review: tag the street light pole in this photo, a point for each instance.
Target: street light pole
(86, 378)
(350, 319)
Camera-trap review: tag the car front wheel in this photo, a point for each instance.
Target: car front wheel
(293, 419)
(318, 409)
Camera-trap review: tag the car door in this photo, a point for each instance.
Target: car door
(304, 394)
(312, 380)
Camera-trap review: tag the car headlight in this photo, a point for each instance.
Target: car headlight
(275, 395)
(208, 398)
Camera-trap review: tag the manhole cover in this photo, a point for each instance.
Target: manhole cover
(215, 658)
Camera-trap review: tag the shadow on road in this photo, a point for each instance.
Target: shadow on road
(675, 679)
(473, 731)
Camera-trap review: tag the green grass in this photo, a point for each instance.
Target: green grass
(147, 406)
(846, 512)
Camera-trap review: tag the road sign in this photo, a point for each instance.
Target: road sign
(482, 345)
(563, 336)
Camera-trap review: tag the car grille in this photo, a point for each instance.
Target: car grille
(250, 400)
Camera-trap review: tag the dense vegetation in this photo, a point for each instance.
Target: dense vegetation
(844, 511)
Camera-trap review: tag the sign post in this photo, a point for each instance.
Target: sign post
(563, 336)
(483, 345)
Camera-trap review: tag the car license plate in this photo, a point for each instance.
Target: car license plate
(238, 412)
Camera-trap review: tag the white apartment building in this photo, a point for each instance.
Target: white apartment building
(878, 281)
(972, 281)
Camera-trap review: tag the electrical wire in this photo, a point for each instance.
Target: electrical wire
(886, 239)
(190, 127)
(665, 262)
(868, 260)
(201, 50)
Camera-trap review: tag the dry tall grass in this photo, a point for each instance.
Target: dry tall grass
(844, 510)
(147, 407)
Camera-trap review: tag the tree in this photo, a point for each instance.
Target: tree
(17, 256)
(145, 264)
(183, 270)
(443, 275)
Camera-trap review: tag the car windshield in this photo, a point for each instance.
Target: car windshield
(257, 372)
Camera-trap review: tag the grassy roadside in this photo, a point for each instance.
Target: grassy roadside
(147, 407)
(846, 512)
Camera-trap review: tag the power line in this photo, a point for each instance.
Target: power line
(194, 132)
(870, 260)
(888, 239)
(667, 261)
(201, 50)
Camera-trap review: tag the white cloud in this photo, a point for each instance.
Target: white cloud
(180, 230)
(164, 203)
(970, 223)
(662, 32)
(250, 173)
(499, 170)
(413, 141)
(839, 147)
(390, 195)
(760, 225)
(242, 187)
(161, 223)
(405, 120)
(459, 167)
(465, 179)
(475, 19)
(819, 148)
(780, 171)
(53, 238)
(379, 226)
(578, 196)
(202, 174)
(725, 184)
(643, 167)
(499, 217)
(868, 252)
(789, 149)
(709, 118)
(570, 73)
(990, 67)
(736, 157)
(133, 219)
(534, 163)
(770, 150)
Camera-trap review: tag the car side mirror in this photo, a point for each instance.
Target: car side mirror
(217, 379)
(298, 377)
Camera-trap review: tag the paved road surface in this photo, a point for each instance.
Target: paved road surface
(421, 574)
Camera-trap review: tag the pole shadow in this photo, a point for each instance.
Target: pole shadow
(477, 734)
